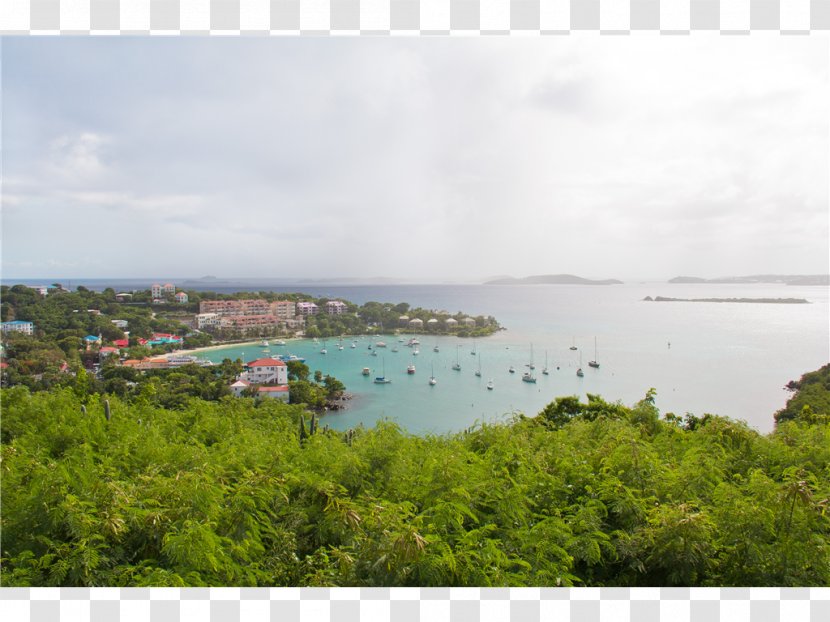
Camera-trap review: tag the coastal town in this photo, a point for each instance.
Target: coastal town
(164, 328)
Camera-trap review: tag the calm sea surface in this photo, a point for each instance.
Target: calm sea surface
(728, 359)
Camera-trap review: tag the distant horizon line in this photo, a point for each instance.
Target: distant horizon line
(376, 280)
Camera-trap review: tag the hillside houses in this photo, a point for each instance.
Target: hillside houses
(247, 314)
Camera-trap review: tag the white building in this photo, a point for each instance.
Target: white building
(122, 324)
(335, 307)
(468, 321)
(416, 323)
(451, 322)
(155, 290)
(206, 320)
(266, 371)
(181, 297)
(307, 308)
(18, 326)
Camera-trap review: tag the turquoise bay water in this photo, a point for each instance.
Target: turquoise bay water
(728, 359)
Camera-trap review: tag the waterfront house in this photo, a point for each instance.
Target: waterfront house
(432, 323)
(181, 297)
(18, 326)
(403, 320)
(416, 324)
(468, 321)
(266, 371)
(451, 322)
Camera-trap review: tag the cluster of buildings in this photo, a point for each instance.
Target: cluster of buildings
(257, 313)
(158, 293)
(433, 323)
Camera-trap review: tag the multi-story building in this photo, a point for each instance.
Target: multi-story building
(248, 321)
(208, 320)
(236, 307)
(181, 297)
(267, 371)
(122, 324)
(168, 288)
(284, 309)
(335, 307)
(18, 326)
(307, 308)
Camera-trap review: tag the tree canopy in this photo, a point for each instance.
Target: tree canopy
(100, 491)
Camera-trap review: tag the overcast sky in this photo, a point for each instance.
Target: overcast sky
(422, 158)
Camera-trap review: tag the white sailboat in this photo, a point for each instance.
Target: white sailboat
(432, 380)
(478, 371)
(457, 366)
(490, 384)
(528, 375)
(545, 368)
(579, 371)
(473, 351)
(573, 344)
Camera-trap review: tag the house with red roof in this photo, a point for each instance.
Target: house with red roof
(279, 392)
(266, 371)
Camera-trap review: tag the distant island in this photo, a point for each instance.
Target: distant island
(775, 301)
(552, 279)
(785, 279)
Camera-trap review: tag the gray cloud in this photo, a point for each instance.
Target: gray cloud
(415, 158)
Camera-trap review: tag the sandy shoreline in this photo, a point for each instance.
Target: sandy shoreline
(256, 342)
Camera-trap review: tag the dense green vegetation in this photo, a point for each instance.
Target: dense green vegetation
(236, 492)
(811, 401)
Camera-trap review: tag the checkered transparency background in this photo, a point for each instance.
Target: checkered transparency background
(412, 16)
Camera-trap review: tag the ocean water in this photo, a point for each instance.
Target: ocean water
(725, 358)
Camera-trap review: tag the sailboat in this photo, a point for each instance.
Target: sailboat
(573, 344)
(324, 351)
(435, 349)
(264, 343)
(457, 366)
(382, 379)
(579, 371)
(473, 351)
(594, 363)
(528, 375)
(478, 371)
(432, 379)
(411, 369)
(545, 368)
(490, 385)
